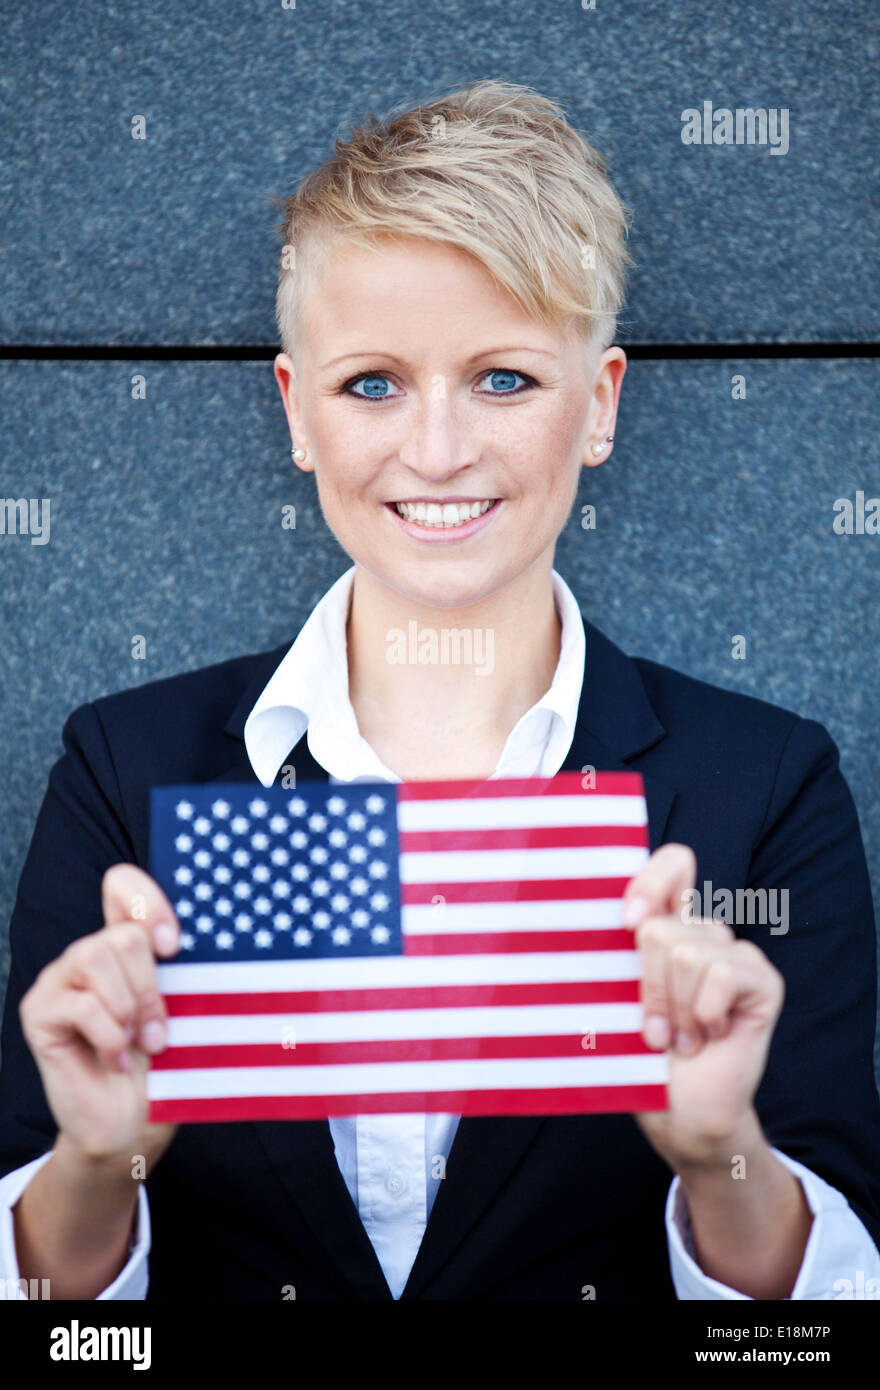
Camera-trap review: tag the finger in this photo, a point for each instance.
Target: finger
(78, 1013)
(653, 937)
(129, 894)
(658, 888)
(132, 951)
(91, 963)
(732, 980)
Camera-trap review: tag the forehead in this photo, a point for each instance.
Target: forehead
(411, 286)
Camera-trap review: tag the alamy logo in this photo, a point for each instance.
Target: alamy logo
(744, 125)
(75, 1343)
(25, 516)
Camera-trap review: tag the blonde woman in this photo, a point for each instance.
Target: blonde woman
(447, 303)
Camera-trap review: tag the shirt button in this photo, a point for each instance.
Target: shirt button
(395, 1184)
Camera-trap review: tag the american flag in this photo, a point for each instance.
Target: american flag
(375, 947)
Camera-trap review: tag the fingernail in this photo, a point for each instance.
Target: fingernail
(656, 1030)
(130, 1031)
(164, 936)
(685, 1043)
(123, 1062)
(153, 1035)
(634, 909)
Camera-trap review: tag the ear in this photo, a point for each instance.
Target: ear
(608, 379)
(285, 375)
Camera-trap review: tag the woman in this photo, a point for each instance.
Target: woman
(447, 303)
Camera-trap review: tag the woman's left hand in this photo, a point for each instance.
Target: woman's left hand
(718, 999)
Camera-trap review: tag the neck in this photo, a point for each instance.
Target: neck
(436, 691)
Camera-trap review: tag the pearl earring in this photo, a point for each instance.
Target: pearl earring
(600, 448)
(298, 455)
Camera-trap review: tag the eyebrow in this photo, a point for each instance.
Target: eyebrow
(486, 352)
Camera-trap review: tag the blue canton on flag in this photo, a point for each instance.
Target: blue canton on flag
(254, 875)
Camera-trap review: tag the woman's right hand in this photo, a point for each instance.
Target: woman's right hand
(94, 1015)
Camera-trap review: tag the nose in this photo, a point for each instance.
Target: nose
(435, 445)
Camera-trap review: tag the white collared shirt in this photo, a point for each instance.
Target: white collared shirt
(390, 1163)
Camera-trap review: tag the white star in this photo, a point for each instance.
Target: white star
(358, 885)
(336, 805)
(299, 839)
(262, 873)
(204, 923)
(299, 871)
(320, 887)
(357, 820)
(222, 874)
(223, 906)
(302, 936)
(318, 855)
(357, 854)
(243, 922)
(341, 935)
(317, 822)
(183, 874)
(376, 836)
(242, 889)
(262, 905)
(260, 841)
(380, 933)
(359, 918)
(281, 888)
(204, 891)
(297, 807)
(378, 869)
(282, 921)
(239, 824)
(280, 856)
(301, 903)
(337, 838)
(224, 940)
(263, 938)
(240, 858)
(321, 920)
(202, 859)
(201, 825)
(338, 870)
(184, 810)
(277, 824)
(339, 902)
(375, 804)
(187, 941)
(258, 807)
(182, 843)
(220, 809)
(221, 842)
(379, 901)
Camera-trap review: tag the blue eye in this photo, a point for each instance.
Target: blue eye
(375, 386)
(505, 382)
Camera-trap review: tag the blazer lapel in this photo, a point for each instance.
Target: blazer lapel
(616, 724)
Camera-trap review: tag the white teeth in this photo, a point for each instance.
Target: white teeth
(450, 514)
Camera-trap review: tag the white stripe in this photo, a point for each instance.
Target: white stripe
(510, 865)
(378, 972)
(502, 1021)
(506, 812)
(503, 1073)
(563, 914)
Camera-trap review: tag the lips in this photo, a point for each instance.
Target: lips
(440, 530)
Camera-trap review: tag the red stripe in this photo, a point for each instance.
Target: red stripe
(396, 1050)
(524, 837)
(562, 784)
(583, 1100)
(510, 942)
(513, 890)
(402, 997)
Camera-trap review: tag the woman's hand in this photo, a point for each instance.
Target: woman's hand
(93, 1016)
(714, 1001)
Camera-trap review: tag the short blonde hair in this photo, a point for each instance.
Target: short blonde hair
(493, 169)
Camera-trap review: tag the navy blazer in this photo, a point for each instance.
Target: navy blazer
(532, 1207)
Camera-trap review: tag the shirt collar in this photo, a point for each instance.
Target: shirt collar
(308, 693)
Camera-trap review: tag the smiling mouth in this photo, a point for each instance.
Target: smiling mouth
(444, 516)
